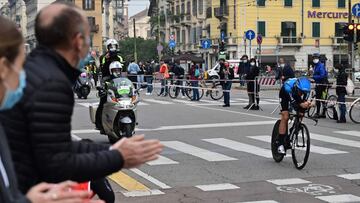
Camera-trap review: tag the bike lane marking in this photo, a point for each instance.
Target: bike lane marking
(217, 187)
(313, 148)
(288, 181)
(344, 198)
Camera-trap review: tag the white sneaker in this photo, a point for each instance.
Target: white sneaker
(147, 93)
(182, 97)
(281, 149)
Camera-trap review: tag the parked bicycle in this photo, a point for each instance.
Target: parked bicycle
(354, 112)
(212, 89)
(330, 104)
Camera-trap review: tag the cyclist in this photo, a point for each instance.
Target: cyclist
(295, 92)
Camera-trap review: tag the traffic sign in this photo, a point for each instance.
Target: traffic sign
(159, 48)
(356, 10)
(250, 34)
(259, 39)
(206, 43)
(172, 44)
(222, 36)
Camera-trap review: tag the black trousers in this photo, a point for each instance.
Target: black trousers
(319, 89)
(103, 189)
(99, 111)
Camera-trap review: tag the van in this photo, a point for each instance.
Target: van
(214, 72)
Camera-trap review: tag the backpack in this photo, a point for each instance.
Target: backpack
(197, 73)
(350, 86)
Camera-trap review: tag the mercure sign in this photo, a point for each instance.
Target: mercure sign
(336, 15)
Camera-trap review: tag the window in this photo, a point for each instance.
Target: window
(178, 36)
(315, 3)
(288, 3)
(89, 4)
(194, 7)
(288, 32)
(341, 4)
(188, 8)
(201, 7)
(261, 28)
(261, 2)
(315, 29)
(339, 32)
(177, 10)
(183, 40)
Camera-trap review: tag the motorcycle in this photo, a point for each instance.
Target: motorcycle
(82, 86)
(119, 113)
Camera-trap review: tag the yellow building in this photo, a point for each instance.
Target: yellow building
(294, 29)
(93, 11)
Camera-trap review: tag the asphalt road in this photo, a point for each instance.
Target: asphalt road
(216, 154)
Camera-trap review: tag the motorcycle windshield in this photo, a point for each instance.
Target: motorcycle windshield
(123, 88)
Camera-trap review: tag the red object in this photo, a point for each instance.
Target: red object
(227, 64)
(82, 186)
(267, 81)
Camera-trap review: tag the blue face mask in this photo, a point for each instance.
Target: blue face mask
(12, 97)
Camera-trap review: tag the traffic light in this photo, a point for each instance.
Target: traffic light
(356, 46)
(348, 32)
(222, 46)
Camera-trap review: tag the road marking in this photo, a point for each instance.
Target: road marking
(351, 133)
(231, 104)
(334, 140)
(236, 112)
(313, 148)
(142, 193)
(127, 182)
(241, 147)
(211, 101)
(88, 104)
(85, 131)
(196, 151)
(355, 176)
(263, 201)
(217, 187)
(75, 137)
(240, 99)
(142, 104)
(345, 198)
(157, 101)
(183, 101)
(151, 179)
(288, 181)
(162, 161)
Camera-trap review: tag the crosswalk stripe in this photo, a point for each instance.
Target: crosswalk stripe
(217, 187)
(288, 181)
(355, 176)
(263, 201)
(351, 133)
(345, 198)
(335, 140)
(210, 101)
(142, 104)
(157, 101)
(183, 101)
(240, 99)
(150, 178)
(196, 151)
(238, 146)
(142, 193)
(313, 148)
(162, 161)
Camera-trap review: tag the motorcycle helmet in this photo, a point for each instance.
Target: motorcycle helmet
(302, 86)
(115, 69)
(112, 45)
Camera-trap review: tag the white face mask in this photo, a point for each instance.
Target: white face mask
(336, 70)
(282, 65)
(244, 61)
(316, 61)
(252, 64)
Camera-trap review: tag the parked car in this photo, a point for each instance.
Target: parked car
(357, 76)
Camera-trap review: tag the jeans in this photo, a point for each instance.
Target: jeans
(319, 89)
(140, 81)
(227, 88)
(342, 107)
(196, 95)
(149, 81)
(178, 89)
(241, 78)
(164, 87)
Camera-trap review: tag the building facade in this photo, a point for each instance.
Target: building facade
(115, 19)
(142, 26)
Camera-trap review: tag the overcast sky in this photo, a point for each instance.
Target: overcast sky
(135, 6)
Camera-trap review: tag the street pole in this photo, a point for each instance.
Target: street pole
(158, 5)
(135, 51)
(250, 49)
(349, 43)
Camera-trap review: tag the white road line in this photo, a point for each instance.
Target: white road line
(240, 99)
(142, 193)
(355, 176)
(85, 131)
(313, 148)
(345, 198)
(196, 151)
(263, 201)
(288, 181)
(241, 147)
(335, 140)
(162, 161)
(88, 104)
(151, 179)
(211, 101)
(157, 101)
(351, 133)
(183, 101)
(217, 187)
(231, 104)
(75, 137)
(142, 104)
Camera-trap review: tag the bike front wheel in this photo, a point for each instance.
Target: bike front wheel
(173, 92)
(330, 106)
(355, 112)
(300, 146)
(217, 92)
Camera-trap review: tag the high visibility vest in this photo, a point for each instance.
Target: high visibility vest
(104, 60)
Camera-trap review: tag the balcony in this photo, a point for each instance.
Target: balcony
(94, 28)
(339, 41)
(221, 12)
(289, 41)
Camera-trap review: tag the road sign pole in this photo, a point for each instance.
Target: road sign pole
(353, 55)
(250, 49)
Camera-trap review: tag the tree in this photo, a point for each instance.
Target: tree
(146, 49)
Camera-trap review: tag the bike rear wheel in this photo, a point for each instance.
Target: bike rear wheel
(312, 110)
(330, 106)
(217, 92)
(173, 92)
(274, 143)
(300, 146)
(355, 112)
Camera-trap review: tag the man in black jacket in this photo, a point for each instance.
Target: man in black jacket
(284, 71)
(38, 127)
(341, 82)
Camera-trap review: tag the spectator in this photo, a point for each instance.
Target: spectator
(341, 82)
(39, 126)
(243, 69)
(284, 71)
(164, 74)
(253, 86)
(194, 77)
(179, 73)
(149, 77)
(133, 70)
(227, 74)
(12, 84)
(140, 76)
(321, 81)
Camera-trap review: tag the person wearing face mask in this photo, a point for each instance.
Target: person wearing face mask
(12, 84)
(341, 82)
(321, 81)
(250, 77)
(38, 127)
(284, 71)
(243, 69)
